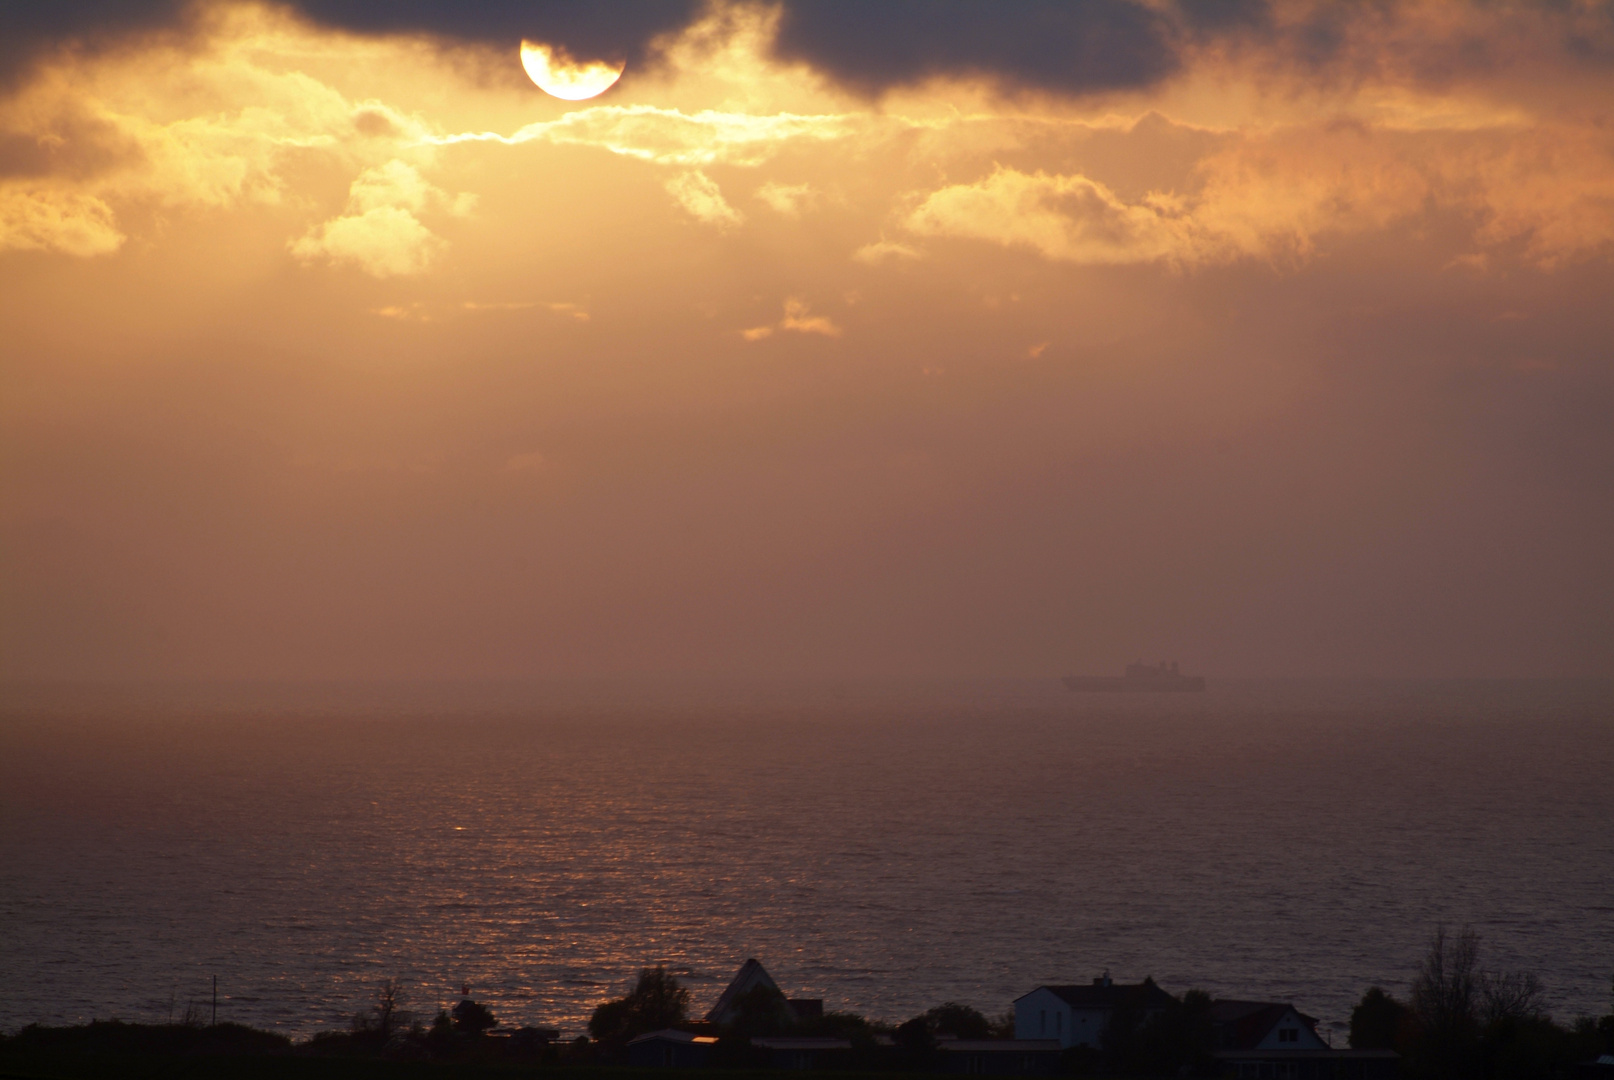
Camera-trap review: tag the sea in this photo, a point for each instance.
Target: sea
(884, 846)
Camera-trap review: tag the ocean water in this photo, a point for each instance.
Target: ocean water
(884, 847)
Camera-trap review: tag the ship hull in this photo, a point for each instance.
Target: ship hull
(1112, 684)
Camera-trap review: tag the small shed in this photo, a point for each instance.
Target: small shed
(668, 1049)
(804, 1051)
(999, 1057)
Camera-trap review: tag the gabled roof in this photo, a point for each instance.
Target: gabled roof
(750, 976)
(1101, 994)
(1243, 1024)
(669, 1035)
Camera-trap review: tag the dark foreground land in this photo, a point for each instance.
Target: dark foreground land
(295, 1067)
(232, 1067)
(109, 1049)
(1461, 1023)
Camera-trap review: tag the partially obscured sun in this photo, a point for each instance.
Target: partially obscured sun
(560, 76)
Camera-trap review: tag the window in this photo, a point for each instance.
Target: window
(1042, 1022)
(1288, 1035)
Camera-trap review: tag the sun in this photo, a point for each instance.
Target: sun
(558, 75)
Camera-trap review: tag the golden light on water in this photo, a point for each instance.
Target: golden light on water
(559, 76)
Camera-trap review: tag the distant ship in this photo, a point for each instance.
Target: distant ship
(1139, 677)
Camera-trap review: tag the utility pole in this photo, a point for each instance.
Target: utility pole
(215, 1001)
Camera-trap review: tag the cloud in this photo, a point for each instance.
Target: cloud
(499, 305)
(882, 250)
(559, 307)
(1048, 44)
(798, 319)
(29, 30)
(403, 312)
(1055, 46)
(379, 231)
(386, 241)
(1552, 190)
(573, 311)
(213, 121)
(175, 126)
(397, 183)
(672, 137)
(787, 199)
(1274, 195)
(599, 29)
(698, 194)
(618, 29)
(1068, 218)
(1547, 189)
(64, 221)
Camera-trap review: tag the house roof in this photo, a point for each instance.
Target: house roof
(751, 975)
(669, 1035)
(1101, 994)
(1243, 1024)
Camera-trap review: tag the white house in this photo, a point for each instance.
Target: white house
(1272, 1040)
(1076, 1015)
(1263, 1025)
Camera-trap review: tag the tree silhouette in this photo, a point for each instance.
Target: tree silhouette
(389, 997)
(959, 1021)
(1377, 1021)
(472, 1017)
(657, 1001)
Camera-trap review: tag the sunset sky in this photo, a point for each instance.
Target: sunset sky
(834, 339)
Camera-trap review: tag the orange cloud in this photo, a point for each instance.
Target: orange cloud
(703, 199)
(798, 319)
(70, 222)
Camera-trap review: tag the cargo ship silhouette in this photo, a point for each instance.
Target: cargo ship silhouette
(1139, 677)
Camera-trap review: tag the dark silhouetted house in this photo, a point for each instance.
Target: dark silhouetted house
(750, 976)
(998, 1057)
(804, 1052)
(1076, 1015)
(671, 1050)
(1270, 1040)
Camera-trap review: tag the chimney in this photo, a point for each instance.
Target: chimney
(1104, 979)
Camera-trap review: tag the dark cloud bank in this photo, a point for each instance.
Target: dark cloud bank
(1068, 46)
(1062, 46)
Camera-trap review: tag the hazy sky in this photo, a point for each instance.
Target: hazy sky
(951, 339)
